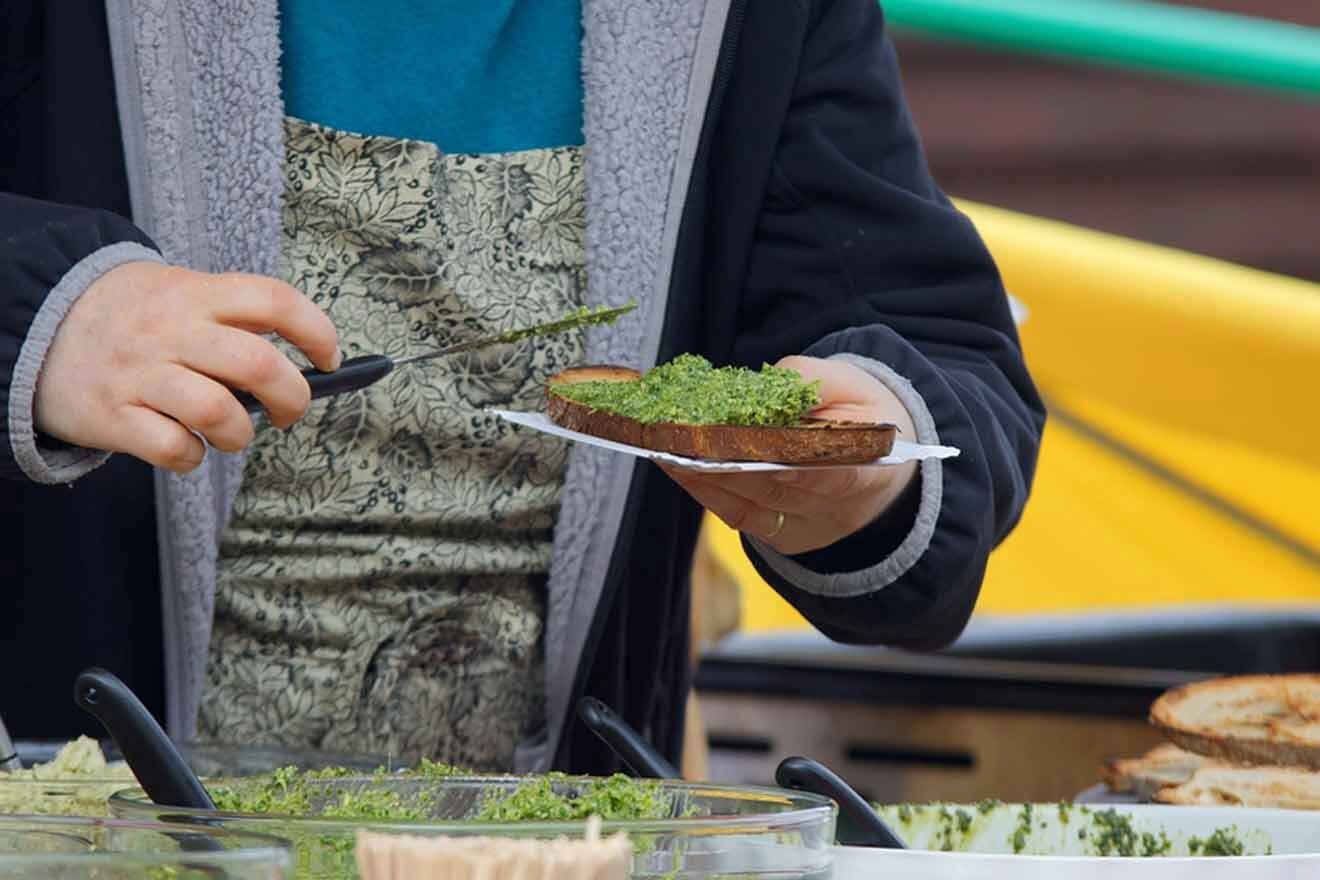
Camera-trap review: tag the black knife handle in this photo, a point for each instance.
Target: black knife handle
(164, 774)
(353, 374)
(640, 756)
(859, 824)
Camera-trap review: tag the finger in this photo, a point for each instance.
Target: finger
(244, 360)
(837, 483)
(200, 403)
(847, 393)
(840, 381)
(801, 496)
(736, 512)
(798, 534)
(156, 439)
(264, 305)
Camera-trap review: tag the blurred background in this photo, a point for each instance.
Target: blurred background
(1148, 177)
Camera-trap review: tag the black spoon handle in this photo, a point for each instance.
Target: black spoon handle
(859, 824)
(640, 756)
(165, 776)
(353, 374)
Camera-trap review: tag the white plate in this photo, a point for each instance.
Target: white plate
(1053, 849)
(903, 451)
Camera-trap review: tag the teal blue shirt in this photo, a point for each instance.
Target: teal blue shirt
(471, 76)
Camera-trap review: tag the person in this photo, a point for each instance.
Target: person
(395, 570)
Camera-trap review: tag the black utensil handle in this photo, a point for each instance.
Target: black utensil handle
(859, 824)
(353, 374)
(640, 756)
(165, 776)
(9, 761)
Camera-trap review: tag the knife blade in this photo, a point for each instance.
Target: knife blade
(357, 373)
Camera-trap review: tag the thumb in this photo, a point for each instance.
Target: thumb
(846, 392)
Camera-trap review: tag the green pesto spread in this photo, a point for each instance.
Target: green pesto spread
(616, 798)
(1223, 842)
(1056, 829)
(328, 855)
(690, 391)
(954, 824)
(293, 792)
(290, 791)
(1019, 838)
(1114, 835)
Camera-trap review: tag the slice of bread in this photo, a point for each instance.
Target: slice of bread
(811, 441)
(1285, 788)
(1163, 766)
(1256, 719)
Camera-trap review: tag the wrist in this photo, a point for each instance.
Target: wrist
(876, 540)
(897, 479)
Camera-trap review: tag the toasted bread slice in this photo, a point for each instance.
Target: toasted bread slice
(1163, 766)
(812, 441)
(1256, 719)
(1286, 788)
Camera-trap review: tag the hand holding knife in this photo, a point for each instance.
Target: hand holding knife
(360, 372)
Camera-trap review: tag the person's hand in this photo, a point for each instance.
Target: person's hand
(803, 510)
(137, 364)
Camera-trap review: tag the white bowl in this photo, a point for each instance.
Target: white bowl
(1277, 844)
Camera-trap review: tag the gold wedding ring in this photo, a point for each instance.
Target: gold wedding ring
(779, 524)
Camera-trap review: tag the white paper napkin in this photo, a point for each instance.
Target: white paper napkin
(903, 450)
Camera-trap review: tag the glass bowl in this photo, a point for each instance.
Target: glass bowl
(25, 795)
(86, 794)
(699, 830)
(49, 848)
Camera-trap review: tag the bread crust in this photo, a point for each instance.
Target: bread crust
(1143, 777)
(1290, 788)
(810, 442)
(1254, 719)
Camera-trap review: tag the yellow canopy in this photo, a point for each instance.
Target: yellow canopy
(1182, 464)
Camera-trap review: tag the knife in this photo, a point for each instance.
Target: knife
(359, 372)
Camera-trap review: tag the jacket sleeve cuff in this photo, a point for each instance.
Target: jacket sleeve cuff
(814, 573)
(44, 462)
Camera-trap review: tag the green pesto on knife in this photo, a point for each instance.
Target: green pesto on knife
(582, 317)
(690, 391)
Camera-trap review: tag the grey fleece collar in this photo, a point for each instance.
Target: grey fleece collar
(197, 84)
(200, 107)
(648, 69)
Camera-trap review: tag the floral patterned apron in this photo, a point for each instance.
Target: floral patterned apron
(381, 583)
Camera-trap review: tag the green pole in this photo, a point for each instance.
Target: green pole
(1190, 42)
